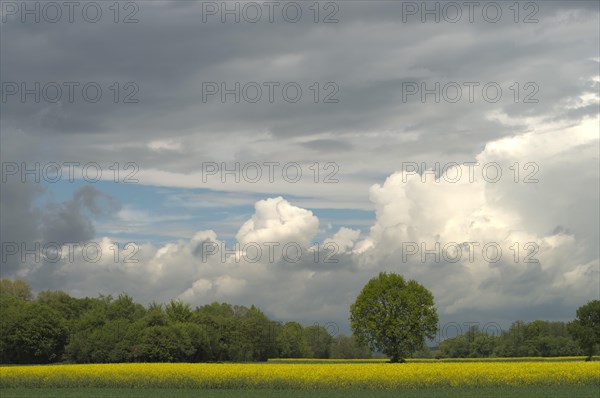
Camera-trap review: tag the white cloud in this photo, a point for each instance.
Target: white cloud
(276, 220)
(344, 239)
(199, 290)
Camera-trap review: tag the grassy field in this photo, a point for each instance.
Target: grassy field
(531, 377)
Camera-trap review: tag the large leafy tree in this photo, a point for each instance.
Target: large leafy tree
(586, 327)
(394, 316)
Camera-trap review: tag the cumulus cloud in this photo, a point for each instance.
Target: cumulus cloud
(520, 212)
(344, 239)
(276, 220)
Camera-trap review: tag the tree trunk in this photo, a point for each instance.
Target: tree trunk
(396, 359)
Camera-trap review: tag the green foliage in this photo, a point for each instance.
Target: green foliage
(177, 311)
(236, 333)
(124, 308)
(534, 339)
(70, 308)
(319, 341)
(30, 332)
(424, 352)
(155, 316)
(456, 347)
(394, 316)
(586, 327)
(57, 327)
(198, 350)
(164, 344)
(292, 341)
(347, 347)
(17, 288)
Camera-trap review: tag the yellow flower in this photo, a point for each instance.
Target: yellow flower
(302, 374)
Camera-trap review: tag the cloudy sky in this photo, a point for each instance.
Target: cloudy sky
(282, 154)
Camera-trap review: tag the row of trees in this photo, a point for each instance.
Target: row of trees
(537, 338)
(534, 339)
(390, 315)
(57, 327)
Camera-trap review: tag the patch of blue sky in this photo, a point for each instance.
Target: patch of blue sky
(163, 214)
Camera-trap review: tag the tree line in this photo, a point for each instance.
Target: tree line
(522, 339)
(55, 327)
(534, 339)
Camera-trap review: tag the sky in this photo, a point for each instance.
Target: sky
(281, 154)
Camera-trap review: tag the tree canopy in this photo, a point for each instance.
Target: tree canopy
(56, 327)
(586, 327)
(394, 316)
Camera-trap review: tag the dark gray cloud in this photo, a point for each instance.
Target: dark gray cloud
(27, 222)
(369, 54)
(70, 222)
(327, 145)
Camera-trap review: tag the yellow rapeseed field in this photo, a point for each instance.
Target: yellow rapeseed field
(304, 375)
